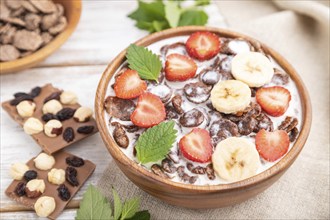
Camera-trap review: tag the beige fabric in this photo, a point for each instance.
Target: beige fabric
(300, 32)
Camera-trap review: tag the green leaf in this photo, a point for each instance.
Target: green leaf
(117, 204)
(130, 208)
(147, 64)
(149, 11)
(93, 206)
(160, 25)
(142, 215)
(172, 13)
(156, 142)
(202, 2)
(193, 17)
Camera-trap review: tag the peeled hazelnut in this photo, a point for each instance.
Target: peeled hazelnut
(35, 188)
(53, 128)
(83, 114)
(52, 106)
(68, 98)
(56, 176)
(17, 170)
(33, 126)
(44, 161)
(44, 206)
(26, 108)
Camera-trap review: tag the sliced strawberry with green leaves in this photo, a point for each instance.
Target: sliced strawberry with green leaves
(203, 45)
(196, 145)
(272, 145)
(149, 111)
(129, 85)
(179, 67)
(274, 100)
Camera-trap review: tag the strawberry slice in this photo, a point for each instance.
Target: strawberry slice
(272, 145)
(179, 67)
(149, 111)
(129, 85)
(273, 100)
(203, 45)
(196, 145)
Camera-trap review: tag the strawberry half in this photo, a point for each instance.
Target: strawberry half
(273, 100)
(129, 85)
(272, 145)
(203, 45)
(179, 67)
(196, 145)
(149, 111)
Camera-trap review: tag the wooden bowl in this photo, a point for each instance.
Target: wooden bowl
(183, 194)
(72, 13)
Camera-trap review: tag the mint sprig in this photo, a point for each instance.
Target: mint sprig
(160, 15)
(146, 63)
(95, 206)
(155, 143)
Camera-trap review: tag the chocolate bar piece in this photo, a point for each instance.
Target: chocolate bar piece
(83, 173)
(50, 144)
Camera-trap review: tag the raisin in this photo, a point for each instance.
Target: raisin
(30, 175)
(18, 94)
(65, 114)
(54, 95)
(63, 192)
(35, 91)
(20, 189)
(71, 176)
(85, 129)
(68, 134)
(48, 116)
(75, 161)
(21, 98)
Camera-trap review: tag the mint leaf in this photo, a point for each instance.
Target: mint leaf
(172, 13)
(117, 204)
(156, 142)
(130, 208)
(149, 11)
(202, 2)
(147, 64)
(142, 215)
(93, 206)
(193, 17)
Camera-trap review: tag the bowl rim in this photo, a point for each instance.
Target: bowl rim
(121, 158)
(46, 51)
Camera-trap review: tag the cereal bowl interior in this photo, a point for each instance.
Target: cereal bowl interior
(232, 114)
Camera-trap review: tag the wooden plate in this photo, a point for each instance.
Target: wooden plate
(190, 195)
(72, 13)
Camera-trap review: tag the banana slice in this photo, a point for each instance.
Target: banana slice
(230, 96)
(253, 68)
(235, 159)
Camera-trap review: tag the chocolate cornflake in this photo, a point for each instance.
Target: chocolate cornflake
(199, 170)
(156, 169)
(119, 108)
(164, 50)
(119, 135)
(288, 124)
(192, 118)
(280, 77)
(168, 166)
(197, 92)
(293, 134)
(210, 172)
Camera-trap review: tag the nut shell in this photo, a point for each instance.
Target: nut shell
(35, 188)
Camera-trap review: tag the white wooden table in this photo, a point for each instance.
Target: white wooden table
(104, 30)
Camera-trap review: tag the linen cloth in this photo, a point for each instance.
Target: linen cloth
(298, 30)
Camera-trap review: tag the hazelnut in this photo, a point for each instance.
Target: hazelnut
(44, 206)
(53, 128)
(35, 188)
(26, 108)
(33, 126)
(56, 176)
(17, 170)
(83, 114)
(52, 106)
(44, 161)
(68, 98)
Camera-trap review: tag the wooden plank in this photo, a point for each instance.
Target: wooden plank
(66, 214)
(16, 146)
